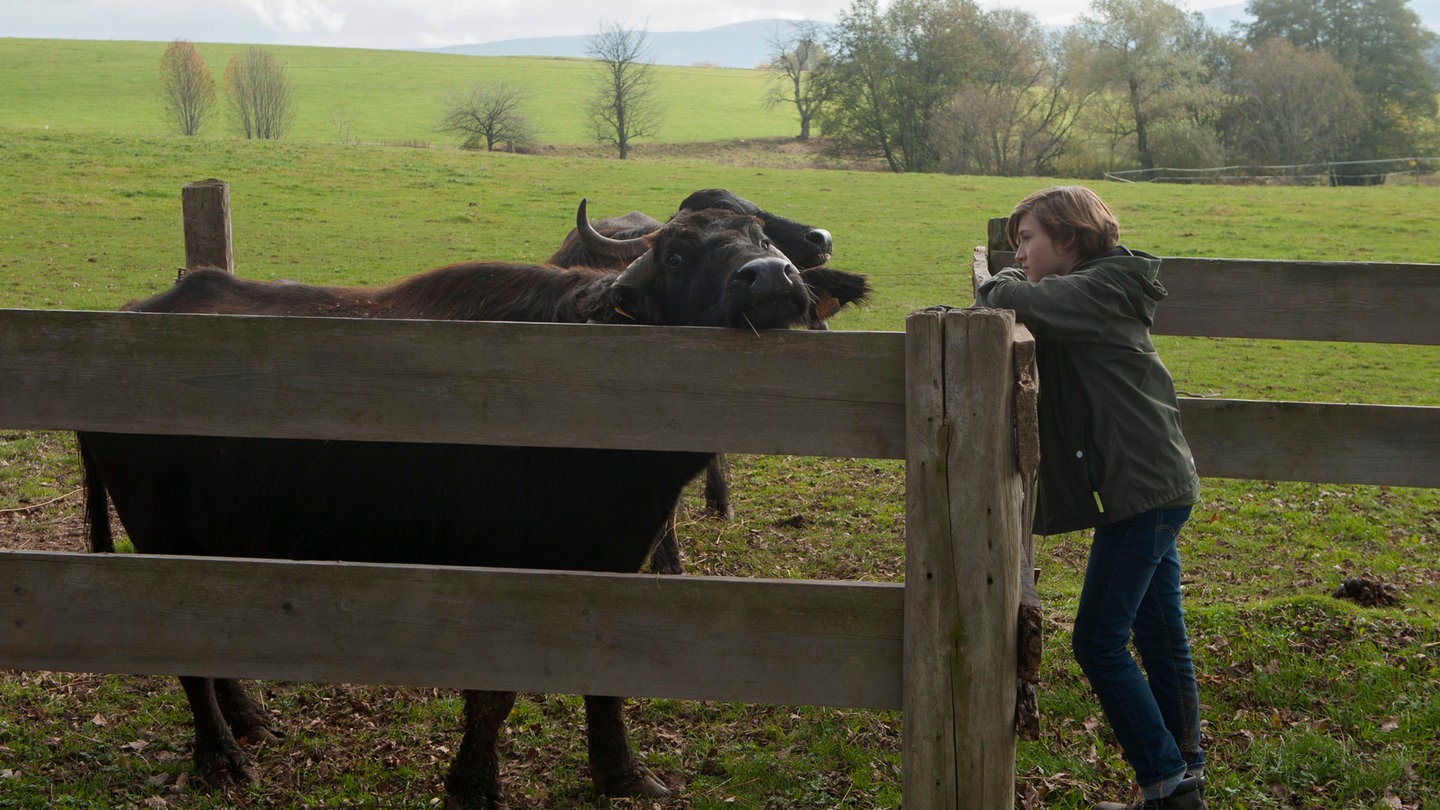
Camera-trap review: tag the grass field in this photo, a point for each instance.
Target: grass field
(1310, 702)
(385, 96)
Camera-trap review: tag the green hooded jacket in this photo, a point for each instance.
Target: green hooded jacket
(1110, 440)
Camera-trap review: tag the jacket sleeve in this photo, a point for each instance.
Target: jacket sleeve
(1069, 307)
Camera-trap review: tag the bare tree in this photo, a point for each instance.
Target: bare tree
(490, 115)
(1151, 54)
(624, 106)
(799, 62)
(1291, 106)
(1381, 44)
(1015, 117)
(189, 87)
(894, 72)
(342, 119)
(259, 94)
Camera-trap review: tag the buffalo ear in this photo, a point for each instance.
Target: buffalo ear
(623, 299)
(833, 289)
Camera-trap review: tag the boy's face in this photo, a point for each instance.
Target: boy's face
(1039, 255)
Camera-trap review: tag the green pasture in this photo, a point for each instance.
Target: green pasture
(1309, 702)
(386, 96)
(90, 221)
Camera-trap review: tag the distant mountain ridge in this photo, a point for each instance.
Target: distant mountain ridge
(746, 44)
(738, 45)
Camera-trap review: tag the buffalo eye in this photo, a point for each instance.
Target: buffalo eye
(674, 260)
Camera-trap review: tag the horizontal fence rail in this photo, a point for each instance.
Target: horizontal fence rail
(702, 638)
(560, 385)
(1314, 441)
(1352, 302)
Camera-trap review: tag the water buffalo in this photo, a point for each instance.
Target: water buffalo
(549, 508)
(807, 246)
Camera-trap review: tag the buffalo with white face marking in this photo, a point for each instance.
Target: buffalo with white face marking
(447, 504)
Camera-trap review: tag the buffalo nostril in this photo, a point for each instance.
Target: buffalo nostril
(767, 275)
(819, 237)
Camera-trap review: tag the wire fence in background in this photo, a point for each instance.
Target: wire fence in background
(1335, 173)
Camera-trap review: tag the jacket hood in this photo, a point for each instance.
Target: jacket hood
(1138, 274)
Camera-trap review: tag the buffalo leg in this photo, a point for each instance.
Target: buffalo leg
(474, 779)
(247, 719)
(218, 758)
(717, 487)
(665, 559)
(613, 766)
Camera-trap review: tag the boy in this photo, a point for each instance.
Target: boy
(1113, 458)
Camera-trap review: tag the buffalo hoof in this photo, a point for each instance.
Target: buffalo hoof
(638, 783)
(256, 734)
(224, 768)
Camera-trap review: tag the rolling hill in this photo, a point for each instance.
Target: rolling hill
(739, 45)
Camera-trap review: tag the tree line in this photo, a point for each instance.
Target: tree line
(942, 85)
(945, 86)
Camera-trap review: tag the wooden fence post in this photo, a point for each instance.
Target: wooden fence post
(962, 562)
(205, 205)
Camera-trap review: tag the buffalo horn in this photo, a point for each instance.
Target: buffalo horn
(626, 249)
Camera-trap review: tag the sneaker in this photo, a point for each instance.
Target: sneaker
(1188, 795)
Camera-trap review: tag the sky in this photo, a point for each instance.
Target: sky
(410, 24)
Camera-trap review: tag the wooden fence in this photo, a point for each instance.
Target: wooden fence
(942, 396)
(1292, 300)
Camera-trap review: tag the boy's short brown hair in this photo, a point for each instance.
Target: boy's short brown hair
(1069, 215)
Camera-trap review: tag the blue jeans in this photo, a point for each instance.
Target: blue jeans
(1132, 589)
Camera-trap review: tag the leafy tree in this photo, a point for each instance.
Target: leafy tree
(489, 115)
(259, 93)
(1380, 43)
(1152, 56)
(1015, 117)
(188, 87)
(1291, 106)
(799, 62)
(623, 106)
(894, 72)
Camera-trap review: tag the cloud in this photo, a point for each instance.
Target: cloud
(297, 16)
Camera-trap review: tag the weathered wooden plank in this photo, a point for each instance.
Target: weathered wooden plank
(1357, 302)
(563, 385)
(963, 519)
(979, 270)
(1030, 624)
(1313, 441)
(702, 638)
(1340, 301)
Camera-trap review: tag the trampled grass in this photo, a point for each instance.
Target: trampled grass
(1310, 702)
